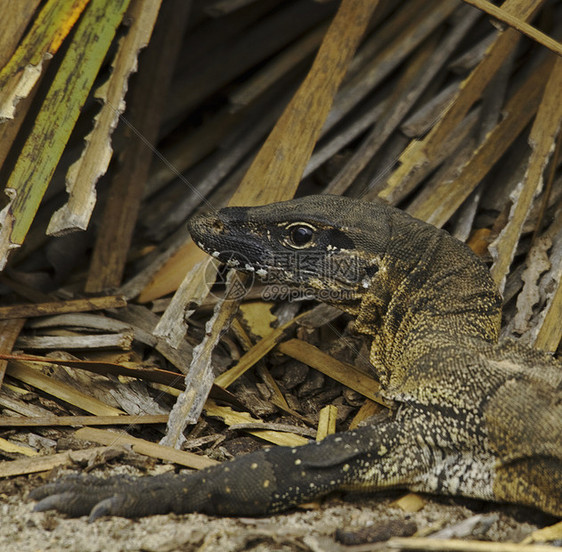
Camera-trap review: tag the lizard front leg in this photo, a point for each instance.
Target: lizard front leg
(268, 481)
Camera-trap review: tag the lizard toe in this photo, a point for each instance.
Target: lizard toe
(76, 495)
(67, 503)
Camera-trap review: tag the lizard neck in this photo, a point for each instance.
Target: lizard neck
(430, 289)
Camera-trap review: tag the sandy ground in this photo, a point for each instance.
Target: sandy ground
(23, 530)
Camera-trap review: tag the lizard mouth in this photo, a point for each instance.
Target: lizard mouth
(230, 244)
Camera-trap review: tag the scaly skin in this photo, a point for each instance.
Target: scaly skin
(473, 418)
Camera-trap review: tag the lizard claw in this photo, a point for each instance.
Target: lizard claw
(53, 502)
(106, 507)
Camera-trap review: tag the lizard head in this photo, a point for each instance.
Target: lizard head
(369, 259)
(329, 246)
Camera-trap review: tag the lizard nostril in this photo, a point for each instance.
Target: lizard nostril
(217, 225)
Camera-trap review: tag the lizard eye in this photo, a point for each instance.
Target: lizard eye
(300, 235)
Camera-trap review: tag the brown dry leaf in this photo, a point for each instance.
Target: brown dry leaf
(369, 409)
(30, 374)
(543, 135)
(411, 502)
(257, 352)
(537, 263)
(479, 241)
(84, 173)
(327, 421)
(420, 157)
(232, 417)
(335, 369)
(43, 39)
(436, 208)
(13, 448)
(546, 534)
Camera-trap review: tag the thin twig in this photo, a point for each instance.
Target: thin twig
(518, 24)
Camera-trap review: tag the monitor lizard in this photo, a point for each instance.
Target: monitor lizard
(472, 417)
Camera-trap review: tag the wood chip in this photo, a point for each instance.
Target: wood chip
(369, 409)
(46, 342)
(410, 503)
(46, 463)
(56, 421)
(199, 378)
(59, 307)
(546, 534)
(147, 448)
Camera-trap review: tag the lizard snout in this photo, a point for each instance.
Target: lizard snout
(202, 225)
